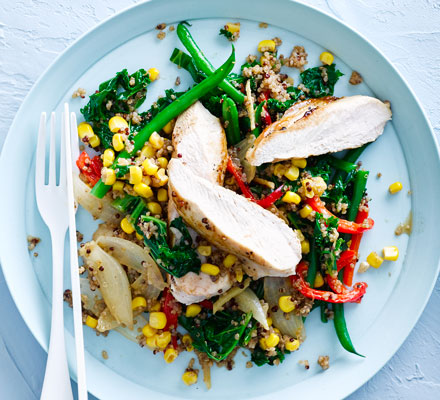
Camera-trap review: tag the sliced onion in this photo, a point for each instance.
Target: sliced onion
(90, 297)
(106, 321)
(132, 334)
(293, 326)
(248, 301)
(99, 208)
(231, 293)
(104, 229)
(141, 287)
(243, 147)
(113, 282)
(135, 257)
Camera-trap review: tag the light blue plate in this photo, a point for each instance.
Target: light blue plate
(406, 152)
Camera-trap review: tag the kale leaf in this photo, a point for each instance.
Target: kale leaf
(326, 248)
(228, 35)
(177, 260)
(313, 79)
(218, 334)
(260, 358)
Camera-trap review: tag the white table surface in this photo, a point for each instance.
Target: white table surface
(32, 33)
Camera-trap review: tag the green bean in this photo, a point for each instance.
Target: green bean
(341, 329)
(359, 185)
(353, 154)
(230, 116)
(172, 111)
(256, 132)
(203, 63)
(341, 164)
(323, 309)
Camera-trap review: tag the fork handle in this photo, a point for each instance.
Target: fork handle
(56, 384)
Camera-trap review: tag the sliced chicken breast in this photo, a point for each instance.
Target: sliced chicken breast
(199, 140)
(319, 126)
(234, 224)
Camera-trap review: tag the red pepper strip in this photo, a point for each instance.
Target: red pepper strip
(240, 181)
(271, 198)
(354, 246)
(206, 304)
(347, 257)
(169, 308)
(337, 286)
(266, 116)
(90, 168)
(329, 297)
(344, 226)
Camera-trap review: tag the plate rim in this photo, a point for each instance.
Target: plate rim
(148, 3)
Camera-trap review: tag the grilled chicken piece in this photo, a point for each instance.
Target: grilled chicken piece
(199, 140)
(234, 224)
(320, 126)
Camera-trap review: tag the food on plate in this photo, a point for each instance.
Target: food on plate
(226, 218)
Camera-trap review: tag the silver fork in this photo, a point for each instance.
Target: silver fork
(51, 201)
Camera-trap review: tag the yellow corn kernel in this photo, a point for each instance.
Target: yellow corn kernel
(266, 45)
(291, 197)
(162, 195)
(307, 185)
(239, 275)
(299, 162)
(327, 58)
(300, 235)
(189, 377)
(161, 176)
(138, 302)
(85, 130)
(170, 355)
(285, 303)
(204, 250)
(395, 187)
(272, 340)
(269, 321)
(139, 237)
(94, 141)
(192, 310)
(305, 246)
(210, 269)
(153, 74)
(155, 307)
(292, 344)
(169, 127)
(292, 173)
(117, 124)
(390, 253)
(91, 322)
(135, 175)
(156, 140)
(158, 320)
(149, 166)
(146, 180)
(126, 226)
(187, 342)
(148, 151)
(148, 331)
(163, 162)
(264, 182)
(163, 339)
(143, 190)
(108, 157)
(276, 330)
(262, 343)
(319, 280)
(118, 142)
(374, 260)
(229, 260)
(118, 186)
(279, 170)
(305, 211)
(151, 342)
(108, 176)
(233, 27)
(154, 208)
